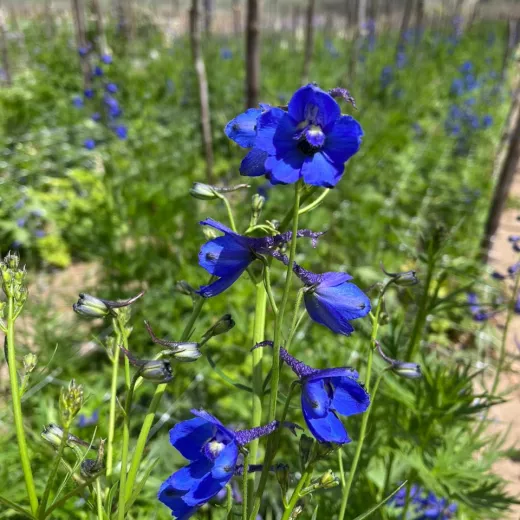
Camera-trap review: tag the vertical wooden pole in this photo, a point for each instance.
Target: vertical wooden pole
(4, 50)
(252, 53)
(78, 14)
(309, 41)
(200, 70)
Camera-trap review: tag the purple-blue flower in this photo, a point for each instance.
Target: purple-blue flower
(212, 450)
(424, 506)
(89, 144)
(77, 101)
(325, 394)
(121, 131)
(107, 59)
(312, 140)
(89, 93)
(477, 312)
(111, 87)
(226, 54)
(85, 421)
(228, 256)
(332, 300)
(98, 71)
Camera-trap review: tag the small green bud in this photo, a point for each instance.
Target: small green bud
(306, 444)
(184, 287)
(91, 307)
(12, 261)
(403, 279)
(29, 362)
(71, 401)
(328, 480)
(203, 191)
(222, 326)
(257, 203)
(282, 475)
(157, 371)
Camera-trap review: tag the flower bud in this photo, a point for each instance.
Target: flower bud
(71, 401)
(53, 434)
(12, 261)
(89, 467)
(29, 362)
(403, 279)
(257, 203)
(282, 475)
(408, 370)
(184, 287)
(157, 371)
(187, 352)
(91, 307)
(223, 325)
(328, 480)
(203, 191)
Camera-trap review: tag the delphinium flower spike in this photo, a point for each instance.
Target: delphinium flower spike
(325, 394)
(424, 505)
(228, 256)
(213, 451)
(312, 140)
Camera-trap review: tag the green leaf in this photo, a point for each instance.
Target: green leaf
(141, 484)
(377, 506)
(15, 507)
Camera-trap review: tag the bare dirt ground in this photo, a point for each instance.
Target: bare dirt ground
(507, 415)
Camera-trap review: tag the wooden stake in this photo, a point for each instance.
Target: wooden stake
(252, 53)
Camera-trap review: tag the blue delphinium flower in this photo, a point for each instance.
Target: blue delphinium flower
(121, 131)
(228, 256)
(212, 450)
(98, 71)
(424, 506)
(325, 394)
(77, 101)
(111, 87)
(487, 121)
(107, 59)
(332, 300)
(226, 54)
(310, 141)
(466, 67)
(89, 93)
(387, 75)
(457, 87)
(21, 222)
(85, 421)
(89, 144)
(401, 59)
(96, 116)
(477, 312)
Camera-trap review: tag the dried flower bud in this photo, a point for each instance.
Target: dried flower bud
(29, 362)
(91, 307)
(203, 191)
(184, 287)
(297, 511)
(324, 449)
(282, 475)
(157, 371)
(89, 467)
(71, 401)
(222, 326)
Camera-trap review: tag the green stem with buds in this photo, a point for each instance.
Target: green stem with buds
(17, 408)
(366, 415)
(297, 491)
(152, 409)
(52, 473)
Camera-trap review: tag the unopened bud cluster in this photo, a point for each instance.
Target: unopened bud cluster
(71, 401)
(13, 282)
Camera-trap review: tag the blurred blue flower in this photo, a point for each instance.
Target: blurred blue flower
(89, 93)
(329, 45)
(387, 76)
(457, 87)
(96, 116)
(21, 222)
(212, 450)
(471, 82)
(39, 233)
(83, 51)
(121, 131)
(20, 204)
(325, 394)
(487, 121)
(16, 244)
(424, 506)
(466, 67)
(311, 141)
(226, 54)
(77, 101)
(98, 71)
(106, 58)
(85, 421)
(401, 59)
(89, 144)
(476, 310)
(332, 300)
(111, 87)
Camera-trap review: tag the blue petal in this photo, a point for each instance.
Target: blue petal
(349, 396)
(189, 476)
(225, 463)
(242, 129)
(223, 256)
(344, 140)
(318, 170)
(180, 509)
(285, 170)
(315, 398)
(332, 278)
(275, 132)
(188, 437)
(335, 306)
(326, 429)
(218, 226)
(333, 372)
(306, 98)
(215, 288)
(253, 163)
(212, 419)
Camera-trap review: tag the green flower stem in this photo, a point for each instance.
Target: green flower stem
(152, 409)
(269, 289)
(257, 355)
(229, 502)
(245, 478)
(296, 318)
(112, 413)
(229, 212)
(52, 474)
(17, 409)
(366, 415)
(99, 499)
(124, 452)
(297, 491)
(315, 203)
(290, 214)
(341, 470)
(275, 370)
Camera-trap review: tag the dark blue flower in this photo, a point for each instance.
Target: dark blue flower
(96, 116)
(111, 87)
(325, 394)
(457, 87)
(487, 121)
(121, 131)
(466, 67)
(98, 71)
(226, 54)
(89, 144)
(332, 300)
(310, 141)
(84, 420)
(228, 256)
(387, 75)
(212, 450)
(89, 93)
(477, 312)
(424, 506)
(107, 59)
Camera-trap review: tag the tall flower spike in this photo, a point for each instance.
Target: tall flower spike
(310, 141)
(212, 450)
(228, 256)
(325, 394)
